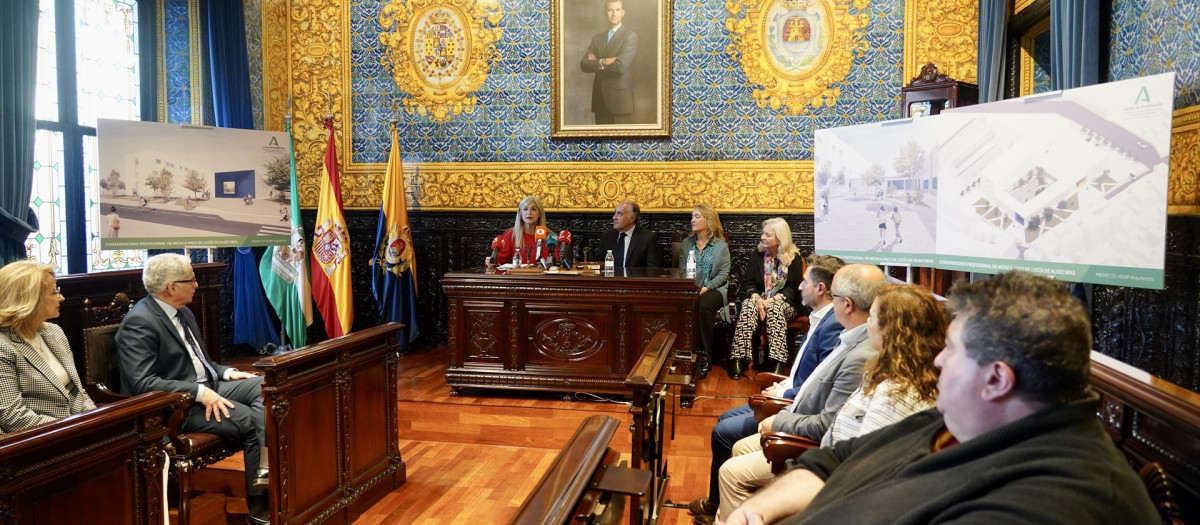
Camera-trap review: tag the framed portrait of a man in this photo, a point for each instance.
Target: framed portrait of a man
(611, 73)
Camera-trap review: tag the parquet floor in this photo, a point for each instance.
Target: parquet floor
(473, 459)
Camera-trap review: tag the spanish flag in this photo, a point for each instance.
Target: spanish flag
(331, 249)
(394, 266)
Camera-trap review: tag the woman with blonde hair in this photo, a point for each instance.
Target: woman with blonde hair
(517, 243)
(771, 291)
(908, 328)
(38, 382)
(711, 250)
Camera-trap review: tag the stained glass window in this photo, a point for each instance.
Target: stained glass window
(106, 85)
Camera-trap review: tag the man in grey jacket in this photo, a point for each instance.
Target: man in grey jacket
(829, 386)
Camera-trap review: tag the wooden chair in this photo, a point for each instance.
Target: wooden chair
(189, 451)
(778, 447)
(1159, 488)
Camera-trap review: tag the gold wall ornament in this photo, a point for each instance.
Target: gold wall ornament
(729, 186)
(1182, 195)
(796, 50)
(945, 32)
(440, 51)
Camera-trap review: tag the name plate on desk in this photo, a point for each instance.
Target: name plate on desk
(560, 332)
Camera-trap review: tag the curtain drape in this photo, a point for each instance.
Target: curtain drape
(229, 66)
(18, 61)
(1074, 43)
(993, 29)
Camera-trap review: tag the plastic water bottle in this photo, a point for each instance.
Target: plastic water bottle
(608, 264)
(691, 264)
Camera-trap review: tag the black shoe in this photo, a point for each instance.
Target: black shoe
(262, 478)
(703, 367)
(259, 511)
(737, 367)
(701, 507)
(775, 367)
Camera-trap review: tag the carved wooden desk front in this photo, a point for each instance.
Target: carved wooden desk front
(564, 333)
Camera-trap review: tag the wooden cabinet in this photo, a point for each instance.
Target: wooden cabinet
(931, 92)
(566, 333)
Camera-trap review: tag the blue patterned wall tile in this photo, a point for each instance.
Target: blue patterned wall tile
(1156, 36)
(177, 72)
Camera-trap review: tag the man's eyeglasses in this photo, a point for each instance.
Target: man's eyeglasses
(836, 295)
(191, 281)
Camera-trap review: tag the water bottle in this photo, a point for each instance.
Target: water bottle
(608, 264)
(691, 264)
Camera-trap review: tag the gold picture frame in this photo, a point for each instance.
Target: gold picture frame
(610, 96)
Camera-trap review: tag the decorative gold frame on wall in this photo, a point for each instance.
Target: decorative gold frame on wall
(1028, 42)
(462, 66)
(1182, 194)
(945, 32)
(563, 56)
(812, 86)
(306, 58)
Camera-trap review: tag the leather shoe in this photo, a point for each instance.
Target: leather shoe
(775, 367)
(262, 478)
(737, 367)
(701, 507)
(259, 511)
(703, 367)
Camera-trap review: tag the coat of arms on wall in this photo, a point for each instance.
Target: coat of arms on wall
(440, 51)
(795, 51)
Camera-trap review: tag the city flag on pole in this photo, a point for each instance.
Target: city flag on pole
(331, 249)
(284, 269)
(394, 266)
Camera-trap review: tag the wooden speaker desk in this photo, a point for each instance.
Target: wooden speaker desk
(563, 333)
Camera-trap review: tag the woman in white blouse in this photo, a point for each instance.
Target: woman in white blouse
(908, 327)
(38, 382)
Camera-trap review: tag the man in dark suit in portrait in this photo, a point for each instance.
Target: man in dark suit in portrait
(610, 56)
(159, 348)
(632, 247)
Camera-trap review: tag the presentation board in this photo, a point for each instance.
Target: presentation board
(1070, 184)
(176, 186)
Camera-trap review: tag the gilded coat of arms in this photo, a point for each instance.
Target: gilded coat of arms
(440, 51)
(796, 51)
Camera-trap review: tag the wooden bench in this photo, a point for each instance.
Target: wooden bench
(655, 373)
(103, 466)
(332, 426)
(580, 485)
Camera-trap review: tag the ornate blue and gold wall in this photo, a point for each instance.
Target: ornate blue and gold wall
(724, 148)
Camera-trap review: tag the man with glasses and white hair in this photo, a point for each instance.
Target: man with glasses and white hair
(159, 348)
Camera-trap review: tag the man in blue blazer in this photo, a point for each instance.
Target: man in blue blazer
(159, 348)
(823, 333)
(610, 56)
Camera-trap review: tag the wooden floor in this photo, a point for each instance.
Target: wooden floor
(474, 458)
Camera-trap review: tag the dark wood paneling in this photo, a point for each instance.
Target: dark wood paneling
(332, 426)
(103, 466)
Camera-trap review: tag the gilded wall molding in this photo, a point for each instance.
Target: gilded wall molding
(733, 186)
(1182, 195)
(945, 32)
(1028, 45)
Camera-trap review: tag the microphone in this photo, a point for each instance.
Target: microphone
(497, 244)
(540, 234)
(551, 246)
(564, 249)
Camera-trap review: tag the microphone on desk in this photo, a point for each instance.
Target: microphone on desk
(551, 246)
(539, 234)
(497, 244)
(564, 249)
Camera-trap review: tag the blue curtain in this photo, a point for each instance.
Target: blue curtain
(229, 66)
(18, 61)
(1074, 43)
(993, 29)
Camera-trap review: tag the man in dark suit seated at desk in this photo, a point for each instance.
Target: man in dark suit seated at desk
(159, 348)
(1014, 437)
(632, 246)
